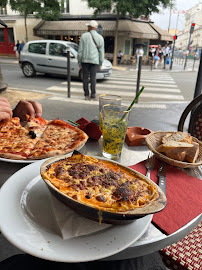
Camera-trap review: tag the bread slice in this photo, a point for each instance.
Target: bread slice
(175, 150)
(172, 144)
(177, 137)
(176, 154)
(192, 153)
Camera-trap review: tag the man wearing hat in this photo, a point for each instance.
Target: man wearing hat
(90, 57)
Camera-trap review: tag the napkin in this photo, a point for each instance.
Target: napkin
(71, 224)
(90, 128)
(183, 192)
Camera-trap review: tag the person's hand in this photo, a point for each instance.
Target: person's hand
(29, 107)
(5, 109)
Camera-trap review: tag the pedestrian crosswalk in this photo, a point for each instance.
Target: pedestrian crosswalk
(159, 87)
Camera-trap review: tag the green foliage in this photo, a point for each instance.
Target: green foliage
(3, 3)
(50, 10)
(129, 7)
(25, 7)
(47, 10)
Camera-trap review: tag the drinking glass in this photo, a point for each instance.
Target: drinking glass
(115, 123)
(107, 99)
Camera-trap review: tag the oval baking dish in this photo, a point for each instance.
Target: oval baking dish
(53, 167)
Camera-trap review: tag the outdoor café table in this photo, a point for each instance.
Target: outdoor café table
(151, 241)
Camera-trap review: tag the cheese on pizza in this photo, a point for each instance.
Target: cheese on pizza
(39, 138)
(100, 184)
(36, 124)
(58, 138)
(15, 141)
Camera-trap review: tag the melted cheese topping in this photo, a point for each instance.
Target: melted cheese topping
(15, 139)
(100, 184)
(53, 138)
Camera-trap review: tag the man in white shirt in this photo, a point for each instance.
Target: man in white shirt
(90, 57)
(139, 52)
(166, 51)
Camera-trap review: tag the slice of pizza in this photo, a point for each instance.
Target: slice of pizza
(9, 125)
(58, 138)
(36, 125)
(15, 141)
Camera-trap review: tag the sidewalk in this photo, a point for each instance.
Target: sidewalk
(9, 60)
(14, 96)
(178, 66)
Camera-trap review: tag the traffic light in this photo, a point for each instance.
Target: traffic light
(174, 37)
(192, 28)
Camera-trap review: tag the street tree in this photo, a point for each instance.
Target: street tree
(130, 8)
(47, 10)
(3, 3)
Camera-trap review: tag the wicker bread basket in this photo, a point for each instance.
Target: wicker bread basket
(154, 139)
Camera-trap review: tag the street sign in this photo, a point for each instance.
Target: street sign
(99, 29)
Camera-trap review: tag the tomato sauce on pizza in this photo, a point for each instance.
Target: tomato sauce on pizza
(39, 138)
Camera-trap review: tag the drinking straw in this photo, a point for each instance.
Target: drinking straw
(73, 122)
(133, 102)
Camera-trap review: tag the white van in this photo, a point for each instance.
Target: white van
(50, 57)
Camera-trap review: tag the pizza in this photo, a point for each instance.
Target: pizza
(39, 138)
(101, 184)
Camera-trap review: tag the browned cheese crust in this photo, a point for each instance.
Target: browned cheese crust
(100, 184)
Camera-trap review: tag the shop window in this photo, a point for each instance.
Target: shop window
(145, 47)
(127, 47)
(57, 49)
(10, 35)
(64, 6)
(39, 48)
(109, 44)
(2, 35)
(3, 10)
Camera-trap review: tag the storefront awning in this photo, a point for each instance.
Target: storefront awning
(75, 28)
(137, 29)
(164, 35)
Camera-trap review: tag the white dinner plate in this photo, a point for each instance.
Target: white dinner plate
(27, 221)
(28, 161)
(17, 160)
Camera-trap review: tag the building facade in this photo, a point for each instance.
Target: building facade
(194, 15)
(74, 16)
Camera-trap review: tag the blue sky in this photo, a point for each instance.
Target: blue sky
(162, 19)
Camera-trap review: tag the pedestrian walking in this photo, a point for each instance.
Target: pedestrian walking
(156, 61)
(139, 52)
(20, 47)
(17, 46)
(166, 51)
(119, 56)
(160, 53)
(90, 58)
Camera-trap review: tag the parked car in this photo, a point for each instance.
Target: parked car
(50, 57)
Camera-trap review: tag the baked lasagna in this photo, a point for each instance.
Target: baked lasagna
(101, 184)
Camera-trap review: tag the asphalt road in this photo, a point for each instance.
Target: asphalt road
(161, 85)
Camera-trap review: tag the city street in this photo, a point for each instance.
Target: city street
(161, 86)
(151, 45)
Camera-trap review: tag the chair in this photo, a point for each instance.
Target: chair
(185, 254)
(126, 59)
(195, 123)
(133, 60)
